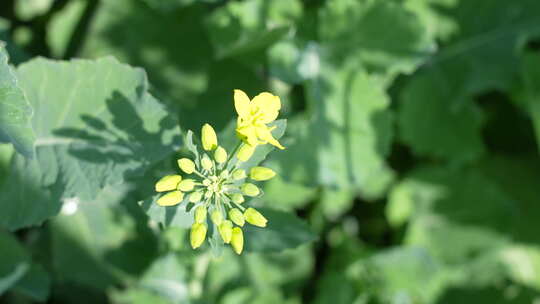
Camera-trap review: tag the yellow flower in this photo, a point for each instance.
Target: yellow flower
(253, 117)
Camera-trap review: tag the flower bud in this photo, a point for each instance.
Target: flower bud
(208, 194)
(237, 198)
(224, 174)
(170, 199)
(237, 217)
(261, 173)
(237, 240)
(186, 185)
(245, 152)
(250, 189)
(168, 183)
(239, 174)
(209, 137)
(254, 217)
(225, 230)
(216, 217)
(206, 182)
(197, 234)
(186, 165)
(200, 214)
(206, 163)
(220, 155)
(195, 197)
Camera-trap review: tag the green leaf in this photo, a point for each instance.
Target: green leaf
(360, 29)
(14, 261)
(241, 27)
(530, 74)
(283, 231)
(93, 241)
(97, 126)
(35, 284)
(167, 277)
(15, 111)
(343, 141)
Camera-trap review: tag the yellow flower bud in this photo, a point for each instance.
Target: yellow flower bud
(197, 235)
(250, 189)
(170, 199)
(237, 198)
(195, 197)
(224, 174)
(237, 240)
(186, 185)
(216, 217)
(209, 137)
(225, 230)
(239, 174)
(168, 183)
(254, 217)
(200, 214)
(237, 217)
(186, 165)
(245, 152)
(261, 173)
(220, 155)
(206, 163)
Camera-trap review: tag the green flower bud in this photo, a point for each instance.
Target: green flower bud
(197, 235)
(208, 137)
(186, 185)
(206, 182)
(170, 199)
(168, 183)
(200, 214)
(225, 230)
(224, 173)
(237, 198)
(250, 189)
(255, 218)
(195, 197)
(186, 165)
(245, 152)
(216, 217)
(206, 163)
(237, 217)
(220, 155)
(239, 174)
(237, 240)
(261, 173)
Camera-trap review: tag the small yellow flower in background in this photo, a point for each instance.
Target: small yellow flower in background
(253, 117)
(217, 181)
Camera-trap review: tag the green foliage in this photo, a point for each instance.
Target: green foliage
(410, 174)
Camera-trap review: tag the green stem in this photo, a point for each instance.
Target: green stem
(233, 153)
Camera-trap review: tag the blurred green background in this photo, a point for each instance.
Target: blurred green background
(412, 149)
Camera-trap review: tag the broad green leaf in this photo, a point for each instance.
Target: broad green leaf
(343, 141)
(167, 277)
(6, 152)
(432, 125)
(35, 284)
(283, 231)
(530, 73)
(15, 110)
(242, 27)
(14, 261)
(24, 201)
(286, 195)
(93, 242)
(97, 126)
(360, 29)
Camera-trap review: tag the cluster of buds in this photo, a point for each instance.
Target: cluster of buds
(217, 185)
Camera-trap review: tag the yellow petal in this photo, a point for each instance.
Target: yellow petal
(242, 104)
(248, 134)
(268, 105)
(263, 133)
(237, 240)
(170, 199)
